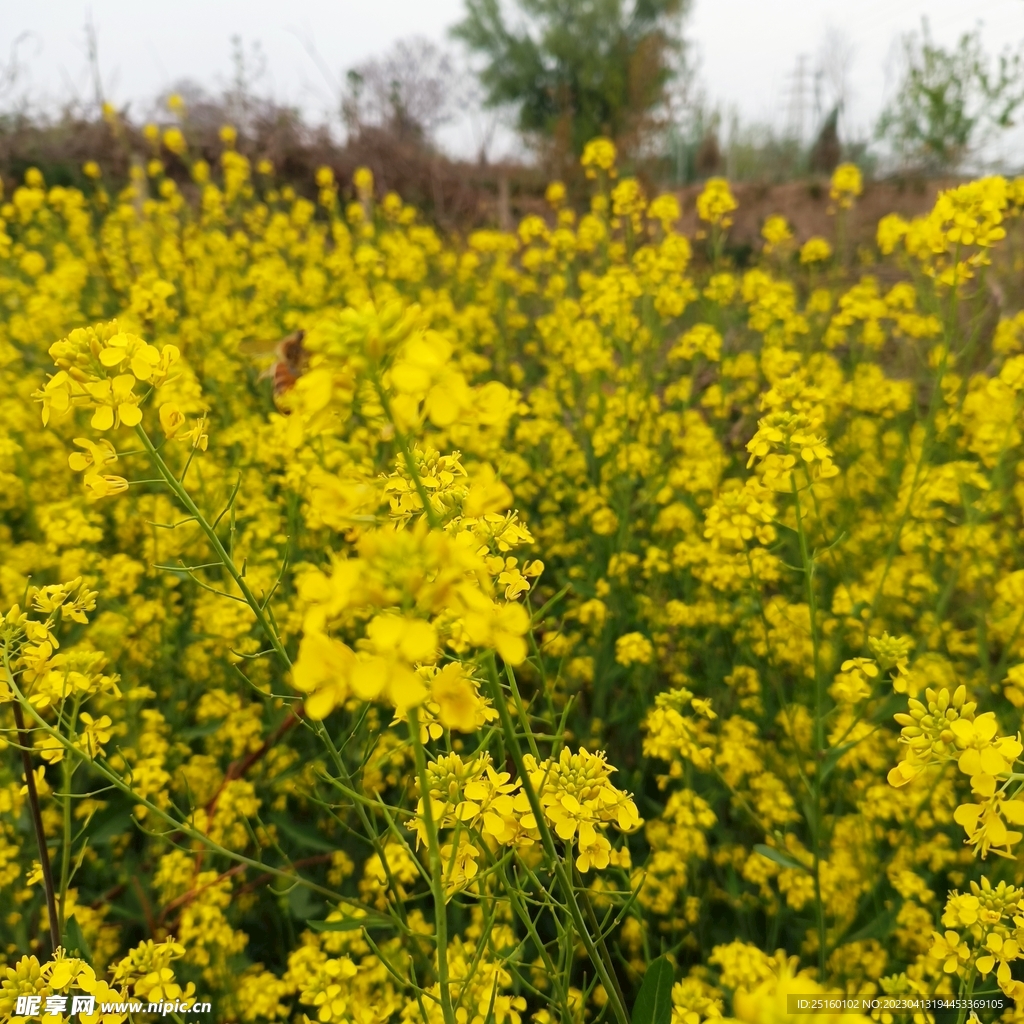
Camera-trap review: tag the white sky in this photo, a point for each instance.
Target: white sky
(748, 49)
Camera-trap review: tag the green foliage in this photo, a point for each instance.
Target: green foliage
(654, 1001)
(950, 102)
(576, 69)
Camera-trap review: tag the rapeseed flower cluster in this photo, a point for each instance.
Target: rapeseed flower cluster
(404, 628)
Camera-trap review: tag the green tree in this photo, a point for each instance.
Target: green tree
(950, 102)
(576, 69)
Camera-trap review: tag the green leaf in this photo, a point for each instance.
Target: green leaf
(303, 904)
(895, 702)
(305, 837)
(779, 857)
(831, 758)
(196, 732)
(654, 1003)
(111, 824)
(877, 928)
(350, 924)
(74, 940)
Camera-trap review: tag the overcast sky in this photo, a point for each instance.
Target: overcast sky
(748, 50)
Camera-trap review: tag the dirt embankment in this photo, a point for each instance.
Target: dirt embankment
(457, 195)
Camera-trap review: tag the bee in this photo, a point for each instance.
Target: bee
(289, 361)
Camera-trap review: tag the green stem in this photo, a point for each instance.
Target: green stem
(436, 870)
(211, 535)
(949, 333)
(819, 725)
(410, 462)
(523, 914)
(962, 1013)
(190, 833)
(271, 634)
(364, 818)
(65, 853)
(604, 970)
(24, 741)
(521, 711)
(588, 909)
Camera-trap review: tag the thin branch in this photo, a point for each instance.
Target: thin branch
(37, 821)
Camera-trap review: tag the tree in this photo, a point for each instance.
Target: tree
(410, 91)
(950, 102)
(575, 69)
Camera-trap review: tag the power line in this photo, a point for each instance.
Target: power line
(798, 96)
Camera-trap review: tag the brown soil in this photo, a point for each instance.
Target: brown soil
(455, 195)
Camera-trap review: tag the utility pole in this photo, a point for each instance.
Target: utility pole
(797, 91)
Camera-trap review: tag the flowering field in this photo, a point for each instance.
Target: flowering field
(558, 626)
